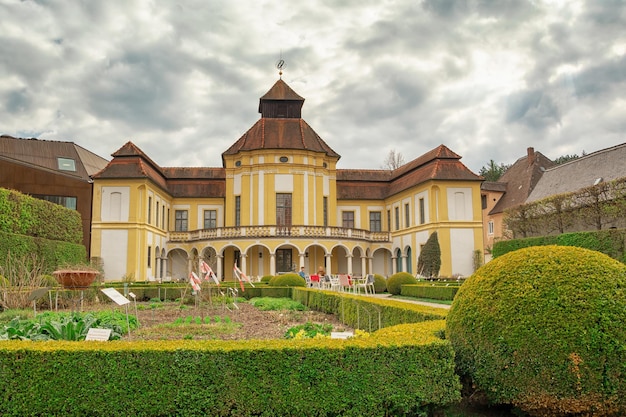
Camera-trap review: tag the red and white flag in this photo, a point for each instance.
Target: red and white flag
(194, 281)
(237, 273)
(240, 275)
(206, 269)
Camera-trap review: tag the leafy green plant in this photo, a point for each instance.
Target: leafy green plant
(308, 330)
(21, 329)
(278, 304)
(74, 327)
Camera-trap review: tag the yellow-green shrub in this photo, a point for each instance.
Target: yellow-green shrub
(395, 282)
(314, 377)
(287, 280)
(542, 328)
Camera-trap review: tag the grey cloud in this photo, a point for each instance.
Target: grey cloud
(18, 100)
(600, 79)
(533, 108)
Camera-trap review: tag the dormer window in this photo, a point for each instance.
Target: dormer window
(66, 164)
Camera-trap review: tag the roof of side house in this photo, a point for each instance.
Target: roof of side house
(600, 166)
(45, 154)
(520, 179)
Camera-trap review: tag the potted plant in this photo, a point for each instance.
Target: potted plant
(76, 276)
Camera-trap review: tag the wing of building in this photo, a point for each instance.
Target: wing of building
(51, 170)
(512, 189)
(279, 202)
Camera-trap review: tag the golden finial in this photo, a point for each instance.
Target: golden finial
(280, 65)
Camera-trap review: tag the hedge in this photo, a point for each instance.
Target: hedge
(366, 313)
(610, 242)
(432, 291)
(24, 215)
(52, 253)
(407, 370)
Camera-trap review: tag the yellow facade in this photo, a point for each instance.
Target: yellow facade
(280, 209)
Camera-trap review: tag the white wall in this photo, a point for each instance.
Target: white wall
(114, 253)
(462, 251)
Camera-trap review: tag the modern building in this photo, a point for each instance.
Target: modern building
(280, 202)
(51, 170)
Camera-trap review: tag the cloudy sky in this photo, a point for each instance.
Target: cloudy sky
(182, 80)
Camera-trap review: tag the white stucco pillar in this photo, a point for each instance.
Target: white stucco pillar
(327, 267)
(220, 260)
(244, 263)
(393, 265)
(349, 261)
(272, 264)
(364, 270)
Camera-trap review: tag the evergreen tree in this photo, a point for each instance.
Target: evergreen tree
(493, 171)
(429, 261)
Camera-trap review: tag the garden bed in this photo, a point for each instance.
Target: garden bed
(167, 321)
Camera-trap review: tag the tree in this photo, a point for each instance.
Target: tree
(429, 261)
(393, 160)
(493, 171)
(566, 158)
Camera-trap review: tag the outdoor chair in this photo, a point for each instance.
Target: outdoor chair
(315, 280)
(366, 283)
(345, 283)
(334, 283)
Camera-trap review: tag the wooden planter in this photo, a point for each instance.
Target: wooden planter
(75, 278)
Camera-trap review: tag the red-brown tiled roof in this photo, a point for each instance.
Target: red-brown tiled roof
(520, 179)
(270, 133)
(131, 162)
(438, 164)
(281, 91)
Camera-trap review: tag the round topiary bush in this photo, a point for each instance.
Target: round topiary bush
(542, 329)
(380, 284)
(266, 278)
(287, 280)
(395, 282)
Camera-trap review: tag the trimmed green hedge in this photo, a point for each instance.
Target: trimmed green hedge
(24, 215)
(402, 371)
(432, 291)
(366, 313)
(610, 242)
(52, 253)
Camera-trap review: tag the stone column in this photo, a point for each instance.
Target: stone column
(272, 264)
(349, 259)
(220, 261)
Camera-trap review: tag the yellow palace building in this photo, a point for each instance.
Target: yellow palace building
(279, 202)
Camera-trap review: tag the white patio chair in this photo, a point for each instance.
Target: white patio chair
(367, 283)
(334, 283)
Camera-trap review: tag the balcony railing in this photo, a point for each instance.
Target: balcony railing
(307, 232)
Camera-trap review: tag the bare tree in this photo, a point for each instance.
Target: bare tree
(393, 160)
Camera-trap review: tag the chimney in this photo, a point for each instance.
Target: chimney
(531, 155)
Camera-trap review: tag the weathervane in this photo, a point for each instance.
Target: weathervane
(280, 64)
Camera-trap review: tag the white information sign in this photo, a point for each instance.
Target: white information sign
(115, 295)
(99, 335)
